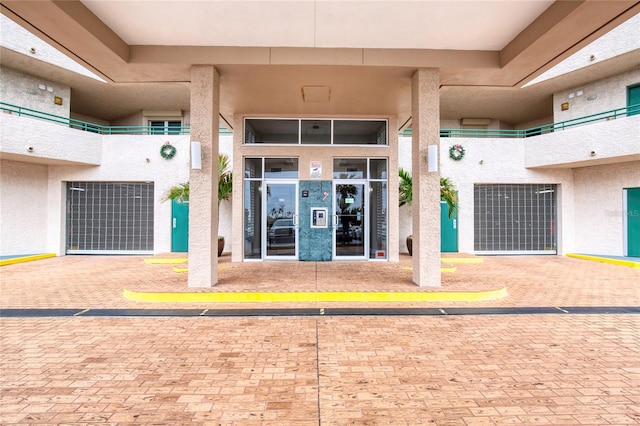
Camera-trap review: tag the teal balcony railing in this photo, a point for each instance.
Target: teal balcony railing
(445, 133)
(538, 130)
(98, 128)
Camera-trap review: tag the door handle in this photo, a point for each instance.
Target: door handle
(174, 223)
(295, 220)
(335, 220)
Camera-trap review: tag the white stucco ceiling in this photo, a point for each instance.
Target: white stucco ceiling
(426, 24)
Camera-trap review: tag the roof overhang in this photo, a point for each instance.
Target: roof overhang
(365, 61)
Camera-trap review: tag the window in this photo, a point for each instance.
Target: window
(280, 131)
(165, 127)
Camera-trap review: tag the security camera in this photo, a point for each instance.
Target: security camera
(30, 149)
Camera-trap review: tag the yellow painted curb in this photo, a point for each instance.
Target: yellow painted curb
(462, 259)
(180, 270)
(442, 269)
(627, 263)
(26, 259)
(166, 261)
(321, 296)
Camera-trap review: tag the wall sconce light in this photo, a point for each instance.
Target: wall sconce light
(57, 100)
(432, 158)
(564, 106)
(196, 155)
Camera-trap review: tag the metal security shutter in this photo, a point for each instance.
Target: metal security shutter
(109, 218)
(515, 219)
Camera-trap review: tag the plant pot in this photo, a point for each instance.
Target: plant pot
(220, 246)
(410, 245)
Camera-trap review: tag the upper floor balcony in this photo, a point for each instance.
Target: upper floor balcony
(608, 137)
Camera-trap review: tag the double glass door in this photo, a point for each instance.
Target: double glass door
(350, 227)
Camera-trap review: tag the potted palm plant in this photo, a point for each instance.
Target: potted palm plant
(448, 193)
(180, 192)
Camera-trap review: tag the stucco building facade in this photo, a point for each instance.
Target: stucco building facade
(317, 119)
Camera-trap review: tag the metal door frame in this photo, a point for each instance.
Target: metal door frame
(265, 235)
(365, 229)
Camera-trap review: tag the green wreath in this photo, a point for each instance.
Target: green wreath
(456, 152)
(167, 151)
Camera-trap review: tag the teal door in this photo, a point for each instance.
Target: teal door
(448, 230)
(633, 99)
(180, 226)
(633, 222)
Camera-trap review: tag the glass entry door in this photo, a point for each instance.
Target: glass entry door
(350, 225)
(281, 217)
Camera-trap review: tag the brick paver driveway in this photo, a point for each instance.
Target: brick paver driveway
(446, 370)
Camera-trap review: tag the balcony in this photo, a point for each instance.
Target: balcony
(32, 140)
(614, 140)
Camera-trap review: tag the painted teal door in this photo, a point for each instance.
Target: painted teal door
(448, 230)
(179, 226)
(633, 222)
(633, 98)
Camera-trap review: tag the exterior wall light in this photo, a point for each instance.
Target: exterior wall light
(196, 155)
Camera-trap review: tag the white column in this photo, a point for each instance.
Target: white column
(425, 127)
(203, 183)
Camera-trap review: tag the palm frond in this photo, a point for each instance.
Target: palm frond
(448, 191)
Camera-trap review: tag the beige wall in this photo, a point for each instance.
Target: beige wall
(598, 206)
(24, 208)
(32, 92)
(597, 96)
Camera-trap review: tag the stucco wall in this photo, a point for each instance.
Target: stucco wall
(606, 141)
(35, 93)
(490, 160)
(89, 119)
(598, 96)
(46, 142)
(124, 158)
(23, 208)
(135, 119)
(598, 206)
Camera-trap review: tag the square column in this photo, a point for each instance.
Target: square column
(203, 183)
(425, 128)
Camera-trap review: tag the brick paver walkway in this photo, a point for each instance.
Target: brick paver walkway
(457, 370)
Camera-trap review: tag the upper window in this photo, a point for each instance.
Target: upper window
(165, 127)
(279, 131)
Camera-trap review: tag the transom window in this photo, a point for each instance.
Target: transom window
(287, 131)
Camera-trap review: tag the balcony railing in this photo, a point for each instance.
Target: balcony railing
(444, 133)
(538, 130)
(97, 128)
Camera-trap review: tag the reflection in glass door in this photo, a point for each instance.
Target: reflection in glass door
(281, 236)
(350, 227)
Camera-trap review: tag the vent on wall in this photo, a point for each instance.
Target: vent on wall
(475, 121)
